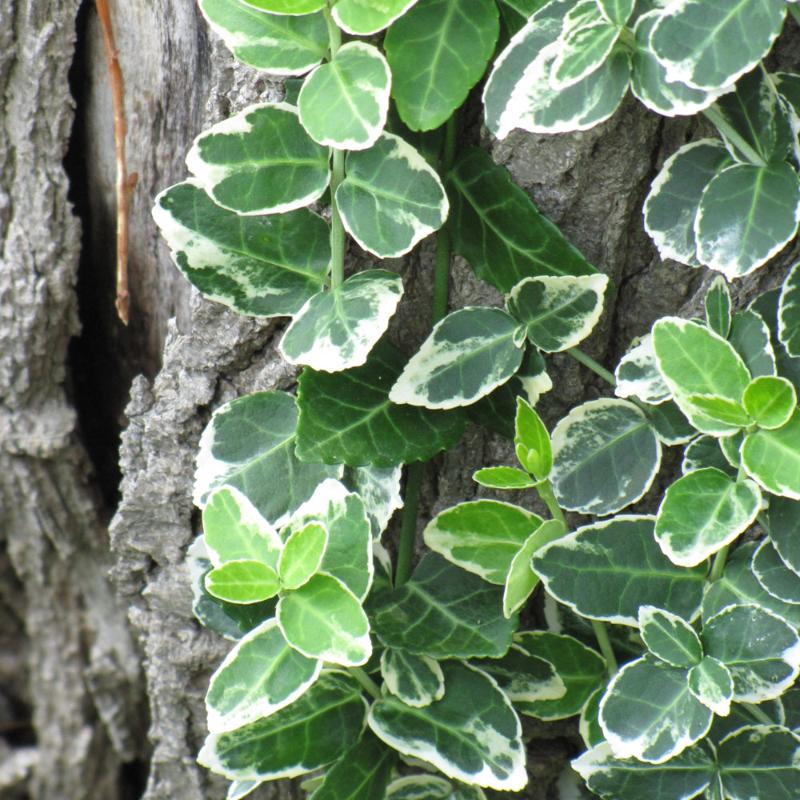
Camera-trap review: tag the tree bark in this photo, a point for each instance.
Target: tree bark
(102, 667)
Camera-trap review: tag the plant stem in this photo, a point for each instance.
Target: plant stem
(718, 566)
(713, 115)
(758, 714)
(369, 685)
(441, 277)
(591, 364)
(408, 531)
(795, 12)
(545, 490)
(601, 634)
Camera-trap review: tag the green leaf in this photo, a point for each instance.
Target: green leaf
(478, 742)
(605, 456)
(671, 208)
(467, 355)
(482, 536)
(770, 401)
(532, 441)
(302, 555)
(315, 730)
(336, 330)
(718, 307)
(391, 198)
(420, 787)
(503, 478)
(581, 669)
(684, 776)
(669, 637)
(444, 612)
(324, 619)
(760, 649)
(649, 81)
(694, 360)
(249, 444)
(637, 374)
(711, 683)
(240, 789)
(617, 11)
(344, 102)
(606, 571)
(649, 713)
(670, 423)
(717, 412)
(558, 312)
(235, 531)
(789, 312)
(362, 773)
(747, 214)
(416, 680)
(262, 266)
(379, 490)
(348, 556)
(586, 40)
(703, 453)
(772, 458)
(750, 337)
(524, 678)
(280, 45)
(438, 51)
(774, 575)
(521, 579)
(759, 761)
(783, 522)
(766, 307)
(589, 722)
(708, 44)
(347, 417)
(243, 582)
(702, 512)
(496, 226)
(295, 7)
(260, 161)
(365, 17)
(260, 676)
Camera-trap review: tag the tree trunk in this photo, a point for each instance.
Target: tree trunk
(102, 667)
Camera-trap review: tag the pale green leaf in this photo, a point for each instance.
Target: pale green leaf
(365, 17)
(789, 312)
(312, 732)
(391, 198)
(416, 680)
(498, 229)
(702, 512)
(606, 571)
(344, 102)
(532, 441)
(605, 456)
(711, 683)
(438, 51)
(669, 637)
(770, 401)
(324, 619)
(617, 11)
(260, 161)
(280, 45)
(648, 712)
(482, 536)
(503, 478)
(717, 413)
(467, 355)
(249, 444)
(774, 575)
(772, 458)
(718, 307)
(302, 555)
(479, 742)
(260, 676)
(558, 312)
(243, 581)
(263, 266)
(288, 7)
(336, 330)
(637, 374)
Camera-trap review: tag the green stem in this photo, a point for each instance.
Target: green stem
(591, 364)
(718, 566)
(545, 490)
(601, 634)
(408, 531)
(795, 12)
(713, 115)
(758, 714)
(369, 685)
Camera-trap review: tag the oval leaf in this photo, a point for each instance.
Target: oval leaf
(669, 637)
(365, 17)
(772, 458)
(770, 401)
(711, 683)
(416, 680)
(789, 312)
(302, 555)
(243, 582)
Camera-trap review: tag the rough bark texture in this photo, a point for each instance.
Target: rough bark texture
(101, 682)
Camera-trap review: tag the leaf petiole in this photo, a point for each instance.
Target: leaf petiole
(591, 364)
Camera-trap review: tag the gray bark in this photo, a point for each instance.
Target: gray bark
(97, 674)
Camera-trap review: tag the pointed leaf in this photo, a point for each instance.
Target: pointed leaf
(524, 678)
(337, 329)
(605, 456)
(606, 571)
(637, 374)
(482, 536)
(477, 742)
(391, 198)
(262, 266)
(438, 51)
(532, 441)
(416, 680)
(669, 637)
(260, 161)
(243, 581)
(260, 676)
(711, 683)
(347, 417)
(770, 401)
(365, 17)
(497, 228)
(444, 612)
(718, 307)
(302, 555)
(789, 312)
(467, 355)
(773, 574)
(503, 478)
(718, 413)
(772, 458)
(280, 45)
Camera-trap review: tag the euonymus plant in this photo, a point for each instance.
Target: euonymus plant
(370, 679)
